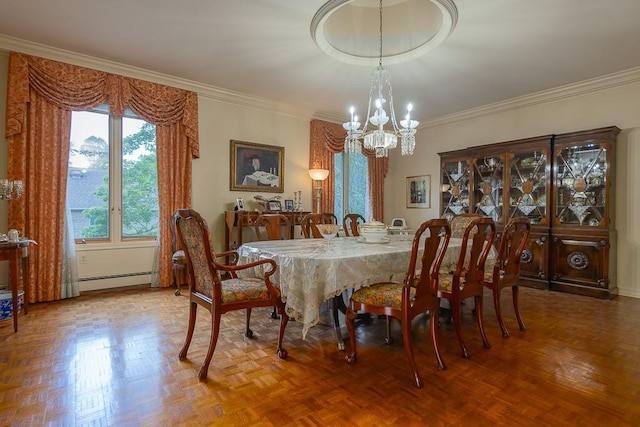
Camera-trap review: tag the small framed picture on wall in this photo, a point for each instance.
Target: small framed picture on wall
(418, 191)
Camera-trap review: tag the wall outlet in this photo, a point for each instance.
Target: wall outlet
(83, 259)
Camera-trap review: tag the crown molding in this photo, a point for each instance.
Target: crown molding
(606, 82)
(11, 44)
(573, 90)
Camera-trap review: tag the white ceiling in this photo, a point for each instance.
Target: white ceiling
(500, 49)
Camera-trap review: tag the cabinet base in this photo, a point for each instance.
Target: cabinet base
(534, 283)
(583, 290)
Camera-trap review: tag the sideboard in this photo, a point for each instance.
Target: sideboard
(238, 220)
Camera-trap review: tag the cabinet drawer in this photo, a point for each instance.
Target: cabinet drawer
(580, 260)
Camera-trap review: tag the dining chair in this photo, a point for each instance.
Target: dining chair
(460, 223)
(404, 301)
(309, 222)
(178, 259)
(350, 224)
(270, 227)
(506, 271)
(466, 280)
(221, 296)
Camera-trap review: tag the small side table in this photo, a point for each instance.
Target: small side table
(12, 252)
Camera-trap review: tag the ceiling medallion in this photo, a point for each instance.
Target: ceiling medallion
(343, 29)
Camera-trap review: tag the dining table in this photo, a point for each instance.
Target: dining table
(312, 271)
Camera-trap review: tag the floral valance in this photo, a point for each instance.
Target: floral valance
(77, 88)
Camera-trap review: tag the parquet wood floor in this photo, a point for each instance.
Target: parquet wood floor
(111, 359)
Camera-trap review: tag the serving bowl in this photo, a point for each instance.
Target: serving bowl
(373, 231)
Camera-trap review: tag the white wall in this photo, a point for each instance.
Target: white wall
(616, 106)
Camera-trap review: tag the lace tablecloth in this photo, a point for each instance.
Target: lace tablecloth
(311, 271)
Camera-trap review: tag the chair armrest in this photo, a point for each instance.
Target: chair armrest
(234, 268)
(231, 254)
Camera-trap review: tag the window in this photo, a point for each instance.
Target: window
(112, 188)
(351, 185)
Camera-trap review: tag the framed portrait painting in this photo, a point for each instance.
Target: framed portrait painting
(419, 191)
(256, 167)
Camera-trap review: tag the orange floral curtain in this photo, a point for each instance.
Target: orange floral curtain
(41, 94)
(327, 139)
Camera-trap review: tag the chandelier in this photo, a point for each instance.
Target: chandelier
(373, 134)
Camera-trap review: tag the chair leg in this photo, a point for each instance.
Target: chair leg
(350, 319)
(284, 319)
(274, 313)
(455, 313)
(516, 308)
(388, 340)
(408, 347)
(193, 309)
(247, 331)
(213, 340)
(479, 318)
(433, 314)
(179, 277)
(498, 308)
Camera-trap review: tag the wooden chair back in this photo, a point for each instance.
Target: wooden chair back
(309, 222)
(435, 245)
(272, 227)
(512, 244)
(350, 224)
(481, 232)
(193, 237)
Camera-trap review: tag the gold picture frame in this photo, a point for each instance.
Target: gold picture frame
(256, 167)
(419, 191)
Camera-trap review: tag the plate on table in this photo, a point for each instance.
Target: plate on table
(382, 240)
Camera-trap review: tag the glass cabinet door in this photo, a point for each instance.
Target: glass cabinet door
(455, 188)
(488, 173)
(528, 173)
(581, 184)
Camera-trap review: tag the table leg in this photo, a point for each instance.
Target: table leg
(25, 278)
(13, 270)
(334, 304)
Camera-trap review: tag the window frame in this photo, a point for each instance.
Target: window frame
(115, 170)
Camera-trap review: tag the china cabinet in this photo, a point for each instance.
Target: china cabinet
(583, 233)
(563, 185)
(503, 181)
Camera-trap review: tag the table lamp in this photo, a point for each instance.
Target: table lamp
(318, 175)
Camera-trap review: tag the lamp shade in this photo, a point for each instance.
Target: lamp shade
(318, 174)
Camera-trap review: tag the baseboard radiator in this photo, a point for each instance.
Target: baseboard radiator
(114, 276)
